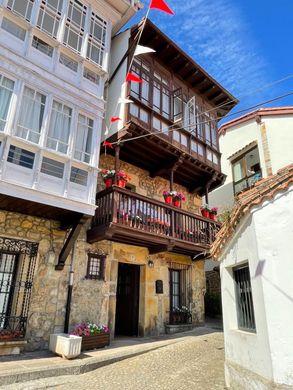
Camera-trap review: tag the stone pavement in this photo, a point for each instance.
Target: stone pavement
(193, 360)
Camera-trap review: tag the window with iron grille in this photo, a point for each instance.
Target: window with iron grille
(244, 301)
(96, 266)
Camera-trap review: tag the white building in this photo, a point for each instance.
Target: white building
(54, 57)
(255, 249)
(253, 146)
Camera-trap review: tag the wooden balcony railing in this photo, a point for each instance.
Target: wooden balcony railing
(139, 214)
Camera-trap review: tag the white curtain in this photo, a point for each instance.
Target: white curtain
(60, 126)
(83, 141)
(31, 111)
(6, 88)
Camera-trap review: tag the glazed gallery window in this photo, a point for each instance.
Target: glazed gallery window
(21, 7)
(75, 25)
(244, 301)
(97, 39)
(246, 170)
(49, 16)
(21, 157)
(84, 136)
(68, 62)
(59, 127)
(52, 167)
(42, 46)
(141, 90)
(31, 115)
(6, 90)
(96, 266)
(13, 29)
(78, 176)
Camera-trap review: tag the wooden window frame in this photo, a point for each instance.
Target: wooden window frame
(102, 260)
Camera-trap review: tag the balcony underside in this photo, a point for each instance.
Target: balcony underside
(157, 155)
(23, 206)
(153, 241)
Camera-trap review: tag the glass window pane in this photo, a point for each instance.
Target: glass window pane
(78, 176)
(6, 90)
(21, 7)
(42, 46)
(52, 167)
(13, 29)
(21, 157)
(59, 127)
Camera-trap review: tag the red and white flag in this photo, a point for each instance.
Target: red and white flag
(133, 77)
(161, 5)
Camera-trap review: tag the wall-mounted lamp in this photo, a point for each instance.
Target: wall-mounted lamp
(150, 264)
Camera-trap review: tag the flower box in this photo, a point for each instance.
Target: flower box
(65, 345)
(95, 341)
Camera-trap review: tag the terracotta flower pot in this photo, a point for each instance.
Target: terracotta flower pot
(205, 213)
(168, 199)
(176, 202)
(108, 182)
(213, 216)
(121, 183)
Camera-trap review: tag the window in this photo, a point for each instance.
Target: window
(6, 90)
(141, 90)
(246, 170)
(52, 167)
(21, 7)
(13, 29)
(97, 39)
(96, 266)
(210, 127)
(181, 138)
(68, 62)
(42, 46)
(21, 157)
(74, 27)
(212, 156)
(49, 16)
(31, 115)
(78, 176)
(139, 113)
(161, 99)
(177, 105)
(197, 147)
(59, 127)
(244, 301)
(91, 76)
(180, 297)
(84, 136)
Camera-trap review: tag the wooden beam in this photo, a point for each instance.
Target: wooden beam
(68, 245)
(161, 248)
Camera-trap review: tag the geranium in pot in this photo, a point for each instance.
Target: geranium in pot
(122, 178)
(108, 175)
(93, 335)
(168, 196)
(213, 213)
(178, 197)
(205, 211)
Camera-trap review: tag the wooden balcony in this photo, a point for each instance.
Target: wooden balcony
(129, 218)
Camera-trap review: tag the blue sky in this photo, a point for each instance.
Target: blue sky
(244, 44)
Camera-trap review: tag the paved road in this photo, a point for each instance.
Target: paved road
(194, 363)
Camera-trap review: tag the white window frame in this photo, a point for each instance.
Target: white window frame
(94, 42)
(7, 120)
(47, 10)
(83, 153)
(71, 26)
(25, 16)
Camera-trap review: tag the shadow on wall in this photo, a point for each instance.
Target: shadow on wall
(222, 197)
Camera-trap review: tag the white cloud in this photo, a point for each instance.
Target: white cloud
(214, 34)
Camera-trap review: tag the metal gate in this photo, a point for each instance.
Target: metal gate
(17, 265)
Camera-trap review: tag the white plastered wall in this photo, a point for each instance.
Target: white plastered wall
(264, 240)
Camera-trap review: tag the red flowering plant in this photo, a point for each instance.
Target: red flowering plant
(88, 329)
(178, 195)
(214, 210)
(107, 173)
(121, 175)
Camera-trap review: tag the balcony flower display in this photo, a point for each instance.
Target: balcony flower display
(205, 211)
(213, 212)
(108, 175)
(122, 178)
(93, 335)
(168, 196)
(178, 197)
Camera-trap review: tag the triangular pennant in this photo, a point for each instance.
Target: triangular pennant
(115, 119)
(124, 101)
(108, 144)
(161, 5)
(133, 77)
(143, 50)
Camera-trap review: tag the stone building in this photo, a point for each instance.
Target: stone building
(54, 60)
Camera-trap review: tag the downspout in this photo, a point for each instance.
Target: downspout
(69, 291)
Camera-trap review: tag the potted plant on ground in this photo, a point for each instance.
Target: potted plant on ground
(93, 335)
(205, 211)
(178, 197)
(213, 213)
(108, 175)
(122, 178)
(168, 196)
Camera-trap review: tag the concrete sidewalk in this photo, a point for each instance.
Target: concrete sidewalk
(43, 364)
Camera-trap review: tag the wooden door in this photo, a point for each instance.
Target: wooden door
(127, 300)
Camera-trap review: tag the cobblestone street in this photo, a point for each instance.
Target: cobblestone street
(193, 363)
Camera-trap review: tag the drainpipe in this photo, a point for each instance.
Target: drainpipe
(69, 292)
